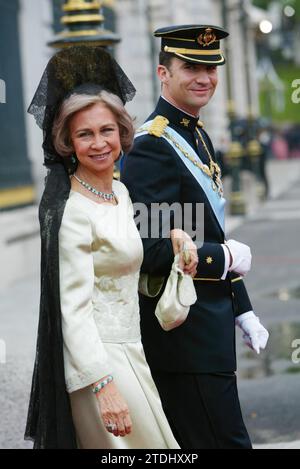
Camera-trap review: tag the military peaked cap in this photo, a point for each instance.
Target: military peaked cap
(193, 43)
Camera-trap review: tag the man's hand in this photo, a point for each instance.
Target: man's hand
(182, 243)
(255, 335)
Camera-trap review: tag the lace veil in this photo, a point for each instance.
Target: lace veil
(80, 69)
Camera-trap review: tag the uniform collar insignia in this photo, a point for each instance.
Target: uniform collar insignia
(185, 121)
(175, 115)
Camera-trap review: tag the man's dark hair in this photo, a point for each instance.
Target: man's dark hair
(165, 58)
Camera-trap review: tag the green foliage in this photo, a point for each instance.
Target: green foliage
(292, 369)
(291, 112)
(261, 3)
(293, 3)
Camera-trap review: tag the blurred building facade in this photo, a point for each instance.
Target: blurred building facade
(26, 26)
(138, 52)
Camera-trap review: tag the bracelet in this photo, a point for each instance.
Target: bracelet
(102, 383)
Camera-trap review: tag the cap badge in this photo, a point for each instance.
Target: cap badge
(185, 122)
(207, 38)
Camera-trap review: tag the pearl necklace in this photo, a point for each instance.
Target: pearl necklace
(104, 195)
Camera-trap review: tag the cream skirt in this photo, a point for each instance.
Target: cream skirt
(150, 428)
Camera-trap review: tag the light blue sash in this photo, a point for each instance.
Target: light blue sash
(216, 201)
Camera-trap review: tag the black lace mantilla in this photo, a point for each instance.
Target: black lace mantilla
(49, 421)
(70, 68)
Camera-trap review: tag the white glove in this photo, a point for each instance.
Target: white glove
(255, 335)
(241, 257)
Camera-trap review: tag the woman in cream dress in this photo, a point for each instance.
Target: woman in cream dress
(100, 254)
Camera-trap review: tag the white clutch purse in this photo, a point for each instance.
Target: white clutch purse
(179, 294)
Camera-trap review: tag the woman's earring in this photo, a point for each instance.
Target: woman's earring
(74, 158)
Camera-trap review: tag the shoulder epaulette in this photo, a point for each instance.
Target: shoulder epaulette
(158, 126)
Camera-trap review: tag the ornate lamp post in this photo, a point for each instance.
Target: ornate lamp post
(255, 152)
(235, 151)
(235, 156)
(253, 148)
(83, 22)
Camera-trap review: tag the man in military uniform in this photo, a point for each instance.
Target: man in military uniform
(173, 161)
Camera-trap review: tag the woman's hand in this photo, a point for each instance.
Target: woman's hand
(182, 243)
(114, 410)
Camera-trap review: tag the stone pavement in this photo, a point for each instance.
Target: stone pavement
(19, 317)
(289, 445)
(269, 383)
(281, 174)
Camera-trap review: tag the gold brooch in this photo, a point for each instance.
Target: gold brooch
(209, 260)
(207, 38)
(185, 122)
